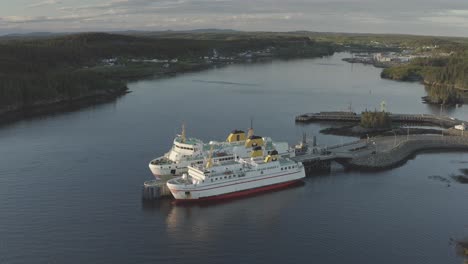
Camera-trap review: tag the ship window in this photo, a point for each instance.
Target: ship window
(281, 168)
(211, 180)
(261, 172)
(289, 167)
(229, 176)
(224, 177)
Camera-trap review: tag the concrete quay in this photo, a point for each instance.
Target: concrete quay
(391, 152)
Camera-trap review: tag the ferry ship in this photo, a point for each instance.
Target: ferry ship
(238, 177)
(187, 151)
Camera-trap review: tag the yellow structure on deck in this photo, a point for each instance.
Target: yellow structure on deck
(254, 141)
(273, 156)
(235, 136)
(257, 152)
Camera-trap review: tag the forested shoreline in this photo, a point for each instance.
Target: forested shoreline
(445, 78)
(65, 69)
(59, 70)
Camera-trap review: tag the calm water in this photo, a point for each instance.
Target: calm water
(70, 184)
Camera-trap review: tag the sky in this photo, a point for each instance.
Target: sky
(422, 17)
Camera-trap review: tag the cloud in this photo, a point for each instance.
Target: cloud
(374, 16)
(42, 19)
(44, 3)
(455, 18)
(125, 5)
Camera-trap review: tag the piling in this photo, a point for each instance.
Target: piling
(156, 189)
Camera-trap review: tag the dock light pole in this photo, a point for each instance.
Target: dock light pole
(407, 132)
(394, 141)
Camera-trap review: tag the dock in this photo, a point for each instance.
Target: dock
(379, 153)
(343, 116)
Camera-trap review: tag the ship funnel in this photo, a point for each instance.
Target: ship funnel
(256, 152)
(273, 156)
(236, 136)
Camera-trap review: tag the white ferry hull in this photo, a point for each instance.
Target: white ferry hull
(235, 188)
(165, 171)
(168, 169)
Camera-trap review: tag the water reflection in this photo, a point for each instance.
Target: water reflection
(256, 211)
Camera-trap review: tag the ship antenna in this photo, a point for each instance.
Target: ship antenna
(209, 163)
(183, 133)
(251, 130)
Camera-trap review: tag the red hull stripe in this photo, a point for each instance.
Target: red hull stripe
(175, 190)
(243, 193)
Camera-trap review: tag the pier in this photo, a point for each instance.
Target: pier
(338, 116)
(381, 153)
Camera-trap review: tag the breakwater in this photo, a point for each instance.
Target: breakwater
(337, 116)
(397, 155)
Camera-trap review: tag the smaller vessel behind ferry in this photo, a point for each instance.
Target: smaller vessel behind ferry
(215, 180)
(187, 151)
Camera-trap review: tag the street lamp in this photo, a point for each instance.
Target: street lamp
(407, 131)
(394, 142)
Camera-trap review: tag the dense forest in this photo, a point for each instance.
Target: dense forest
(376, 120)
(446, 77)
(41, 71)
